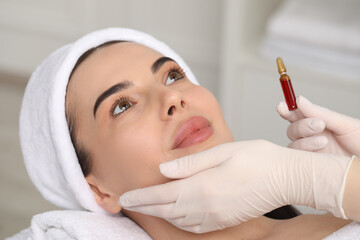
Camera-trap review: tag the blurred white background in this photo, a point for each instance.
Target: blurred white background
(230, 45)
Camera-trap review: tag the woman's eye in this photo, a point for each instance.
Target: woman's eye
(172, 77)
(121, 107)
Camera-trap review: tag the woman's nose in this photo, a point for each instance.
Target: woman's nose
(172, 103)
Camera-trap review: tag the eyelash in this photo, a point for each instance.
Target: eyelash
(177, 69)
(117, 102)
(121, 99)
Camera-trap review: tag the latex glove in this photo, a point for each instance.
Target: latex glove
(314, 128)
(234, 182)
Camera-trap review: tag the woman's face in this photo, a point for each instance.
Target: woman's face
(135, 109)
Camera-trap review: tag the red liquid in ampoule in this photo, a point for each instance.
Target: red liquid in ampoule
(288, 91)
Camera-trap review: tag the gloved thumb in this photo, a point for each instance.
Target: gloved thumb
(195, 163)
(335, 122)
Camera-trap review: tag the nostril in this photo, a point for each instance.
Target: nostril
(182, 104)
(171, 110)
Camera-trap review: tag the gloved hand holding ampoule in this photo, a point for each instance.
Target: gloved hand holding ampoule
(234, 182)
(314, 128)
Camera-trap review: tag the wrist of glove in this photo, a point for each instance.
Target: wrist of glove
(317, 180)
(294, 177)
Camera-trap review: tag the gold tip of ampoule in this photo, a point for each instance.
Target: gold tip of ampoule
(280, 65)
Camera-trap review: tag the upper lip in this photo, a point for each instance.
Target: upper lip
(186, 128)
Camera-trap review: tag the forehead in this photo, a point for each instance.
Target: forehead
(125, 52)
(125, 58)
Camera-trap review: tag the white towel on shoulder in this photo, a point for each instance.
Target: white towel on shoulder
(349, 232)
(81, 225)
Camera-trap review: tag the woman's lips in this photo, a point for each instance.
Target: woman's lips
(195, 130)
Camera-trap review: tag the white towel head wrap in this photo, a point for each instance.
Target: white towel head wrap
(48, 152)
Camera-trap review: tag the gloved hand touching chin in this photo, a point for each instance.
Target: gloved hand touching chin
(234, 182)
(314, 128)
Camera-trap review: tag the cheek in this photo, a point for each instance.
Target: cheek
(129, 158)
(208, 104)
(204, 99)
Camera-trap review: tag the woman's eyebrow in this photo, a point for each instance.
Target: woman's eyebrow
(158, 63)
(112, 90)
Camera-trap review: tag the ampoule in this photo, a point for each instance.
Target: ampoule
(286, 85)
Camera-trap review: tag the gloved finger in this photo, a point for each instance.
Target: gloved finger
(159, 194)
(188, 228)
(284, 112)
(195, 163)
(202, 228)
(335, 122)
(311, 144)
(165, 211)
(305, 128)
(197, 229)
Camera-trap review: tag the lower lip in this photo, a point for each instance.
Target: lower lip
(196, 137)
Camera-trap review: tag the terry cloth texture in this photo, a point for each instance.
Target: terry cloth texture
(81, 225)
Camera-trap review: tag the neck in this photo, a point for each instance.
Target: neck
(160, 229)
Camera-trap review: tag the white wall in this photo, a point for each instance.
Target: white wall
(250, 89)
(30, 30)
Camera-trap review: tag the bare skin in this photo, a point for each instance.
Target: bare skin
(134, 130)
(301, 227)
(352, 192)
